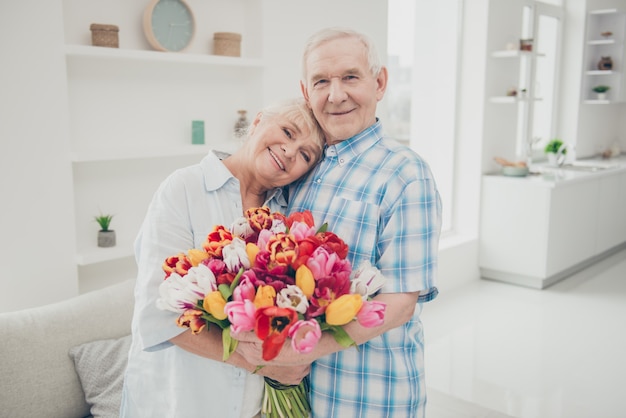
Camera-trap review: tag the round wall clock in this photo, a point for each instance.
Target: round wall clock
(169, 25)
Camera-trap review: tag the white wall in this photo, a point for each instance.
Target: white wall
(36, 222)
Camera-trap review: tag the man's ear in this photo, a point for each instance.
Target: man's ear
(381, 82)
(305, 93)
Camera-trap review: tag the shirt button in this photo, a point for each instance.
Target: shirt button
(318, 181)
(341, 161)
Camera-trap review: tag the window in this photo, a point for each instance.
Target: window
(421, 94)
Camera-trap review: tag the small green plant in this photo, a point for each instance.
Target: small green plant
(554, 146)
(104, 221)
(601, 89)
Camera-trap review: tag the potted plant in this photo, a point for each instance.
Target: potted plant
(601, 91)
(556, 150)
(106, 236)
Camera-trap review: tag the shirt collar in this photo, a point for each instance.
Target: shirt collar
(216, 176)
(351, 147)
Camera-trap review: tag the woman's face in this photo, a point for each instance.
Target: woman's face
(283, 150)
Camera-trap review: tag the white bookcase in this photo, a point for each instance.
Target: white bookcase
(598, 46)
(130, 115)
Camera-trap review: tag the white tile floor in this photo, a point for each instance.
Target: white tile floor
(494, 349)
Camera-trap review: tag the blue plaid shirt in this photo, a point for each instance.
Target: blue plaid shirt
(382, 200)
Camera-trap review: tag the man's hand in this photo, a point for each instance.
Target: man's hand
(286, 375)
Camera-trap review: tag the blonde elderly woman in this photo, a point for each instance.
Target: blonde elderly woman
(172, 373)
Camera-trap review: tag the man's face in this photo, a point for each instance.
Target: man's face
(340, 88)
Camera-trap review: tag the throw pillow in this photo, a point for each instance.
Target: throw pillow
(100, 366)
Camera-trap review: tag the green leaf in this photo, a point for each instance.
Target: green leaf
(236, 280)
(229, 344)
(225, 291)
(341, 336)
(323, 228)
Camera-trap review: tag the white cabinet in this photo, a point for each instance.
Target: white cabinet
(130, 116)
(611, 218)
(535, 231)
(600, 45)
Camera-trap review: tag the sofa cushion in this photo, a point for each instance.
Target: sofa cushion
(100, 366)
(38, 378)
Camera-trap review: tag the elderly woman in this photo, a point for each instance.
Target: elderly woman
(172, 373)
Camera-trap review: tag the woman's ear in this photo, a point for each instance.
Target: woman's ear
(255, 122)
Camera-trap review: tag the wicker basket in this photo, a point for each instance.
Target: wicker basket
(104, 35)
(227, 43)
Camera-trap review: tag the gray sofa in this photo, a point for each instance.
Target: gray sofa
(66, 360)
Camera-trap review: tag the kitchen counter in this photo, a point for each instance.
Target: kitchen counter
(581, 170)
(539, 229)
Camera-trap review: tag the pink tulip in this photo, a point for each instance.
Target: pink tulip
(301, 230)
(244, 291)
(305, 335)
(372, 314)
(240, 315)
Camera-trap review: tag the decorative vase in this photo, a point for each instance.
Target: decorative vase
(605, 64)
(106, 238)
(601, 96)
(241, 126)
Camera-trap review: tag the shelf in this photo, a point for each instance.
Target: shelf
(146, 153)
(95, 255)
(96, 52)
(601, 72)
(601, 42)
(511, 99)
(514, 53)
(596, 101)
(603, 11)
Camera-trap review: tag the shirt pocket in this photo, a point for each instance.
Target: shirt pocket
(356, 222)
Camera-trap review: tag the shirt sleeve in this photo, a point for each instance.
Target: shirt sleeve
(409, 241)
(166, 231)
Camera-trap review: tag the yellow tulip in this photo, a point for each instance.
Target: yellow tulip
(252, 250)
(214, 304)
(196, 256)
(343, 309)
(305, 281)
(265, 296)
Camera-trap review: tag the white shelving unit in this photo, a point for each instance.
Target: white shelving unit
(598, 46)
(130, 114)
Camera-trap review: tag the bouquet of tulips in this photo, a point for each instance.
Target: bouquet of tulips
(281, 277)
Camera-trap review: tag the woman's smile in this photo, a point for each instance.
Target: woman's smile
(276, 159)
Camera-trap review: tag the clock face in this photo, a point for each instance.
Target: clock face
(172, 24)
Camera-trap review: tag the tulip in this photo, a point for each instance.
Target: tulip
(252, 250)
(292, 297)
(367, 280)
(241, 315)
(272, 326)
(343, 309)
(177, 294)
(214, 304)
(235, 256)
(305, 281)
(196, 256)
(265, 296)
(305, 335)
(241, 228)
(372, 314)
(192, 319)
(245, 290)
